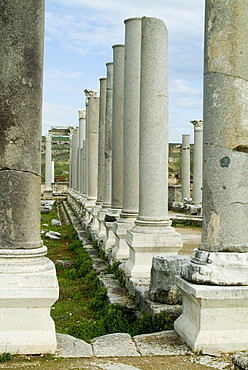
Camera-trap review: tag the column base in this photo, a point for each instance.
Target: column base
(101, 218)
(28, 288)
(93, 225)
(147, 240)
(120, 228)
(214, 319)
(218, 268)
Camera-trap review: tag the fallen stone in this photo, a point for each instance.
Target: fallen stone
(52, 235)
(161, 344)
(241, 359)
(65, 264)
(112, 345)
(163, 284)
(55, 222)
(68, 346)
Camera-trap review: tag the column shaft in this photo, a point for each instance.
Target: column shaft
(153, 233)
(185, 172)
(28, 284)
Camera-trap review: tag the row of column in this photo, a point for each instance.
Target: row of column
(132, 218)
(214, 283)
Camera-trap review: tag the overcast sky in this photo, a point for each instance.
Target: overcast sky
(79, 35)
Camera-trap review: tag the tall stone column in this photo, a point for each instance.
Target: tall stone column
(48, 168)
(28, 283)
(131, 112)
(82, 124)
(214, 284)
(152, 234)
(117, 145)
(198, 161)
(108, 150)
(92, 151)
(76, 172)
(185, 171)
(101, 158)
(52, 172)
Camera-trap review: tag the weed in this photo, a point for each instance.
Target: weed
(5, 357)
(101, 254)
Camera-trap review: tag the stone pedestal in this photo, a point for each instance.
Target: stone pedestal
(221, 258)
(131, 110)
(198, 162)
(214, 318)
(28, 283)
(152, 234)
(185, 171)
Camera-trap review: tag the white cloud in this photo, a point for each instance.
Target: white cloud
(58, 115)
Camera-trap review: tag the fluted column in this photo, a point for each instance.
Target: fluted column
(153, 233)
(215, 282)
(185, 171)
(131, 112)
(28, 283)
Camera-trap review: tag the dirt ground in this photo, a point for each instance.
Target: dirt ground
(188, 362)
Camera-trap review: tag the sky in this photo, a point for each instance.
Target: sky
(79, 35)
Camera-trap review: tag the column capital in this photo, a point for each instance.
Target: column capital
(82, 113)
(198, 124)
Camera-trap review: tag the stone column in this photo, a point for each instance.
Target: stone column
(82, 124)
(28, 283)
(214, 284)
(152, 234)
(76, 146)
(185, 171)
(48, 192)
(101, 157)
(52, 172)
(92, 151)
(108, 150)
(117, 145)
(198, 162)
(130, 137)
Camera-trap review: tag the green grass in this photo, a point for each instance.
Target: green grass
(82, 310)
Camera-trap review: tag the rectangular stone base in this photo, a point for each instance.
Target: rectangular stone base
(25, 323)
(148, 244)
(214, 319)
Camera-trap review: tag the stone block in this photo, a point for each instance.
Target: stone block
(163, 278)
(214, 319)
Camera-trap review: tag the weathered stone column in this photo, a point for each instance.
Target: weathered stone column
(198, 162)
(185, 171)
(215, 292)
(82, 126)
(130, 137)
(153, 233)
(48, 192)
(108, 149)
(92, 150)
(101, 158)
(28, 283)
(117, 145)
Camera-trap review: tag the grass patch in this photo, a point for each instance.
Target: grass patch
(82, 310)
